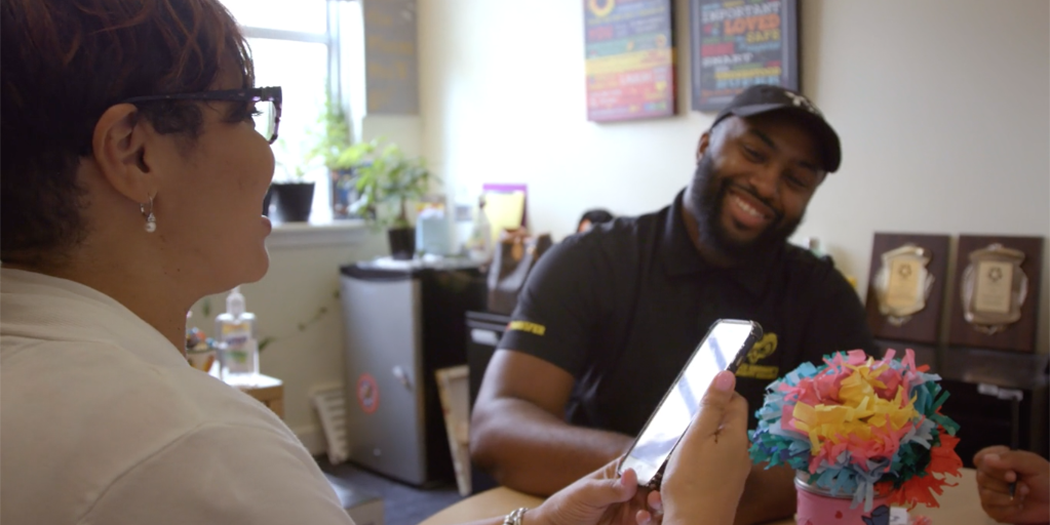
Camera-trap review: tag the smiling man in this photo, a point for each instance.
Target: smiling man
(623, 306)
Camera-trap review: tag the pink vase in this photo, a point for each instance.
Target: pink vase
(816, 506)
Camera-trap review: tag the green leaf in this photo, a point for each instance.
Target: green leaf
(386, 180)
(265, 341)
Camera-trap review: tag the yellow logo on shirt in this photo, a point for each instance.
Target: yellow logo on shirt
(525, 326)
(761, 350)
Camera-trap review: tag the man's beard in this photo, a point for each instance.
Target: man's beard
(709, 197)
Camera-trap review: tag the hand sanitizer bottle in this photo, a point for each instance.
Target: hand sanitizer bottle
(479, 245)
(238, 350)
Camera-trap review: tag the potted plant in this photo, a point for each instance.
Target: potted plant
(292, 194)
(386, 180)
(327, 144)
(332, 145)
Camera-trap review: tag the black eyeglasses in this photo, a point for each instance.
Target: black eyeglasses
(266, 114)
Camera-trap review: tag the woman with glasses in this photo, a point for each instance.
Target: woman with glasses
(136, 156)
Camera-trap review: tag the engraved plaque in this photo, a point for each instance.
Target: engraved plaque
(906, 286)
(996, 292)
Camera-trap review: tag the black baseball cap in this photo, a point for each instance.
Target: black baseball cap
(765, 98)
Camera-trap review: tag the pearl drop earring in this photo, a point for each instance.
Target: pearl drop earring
(151, 220)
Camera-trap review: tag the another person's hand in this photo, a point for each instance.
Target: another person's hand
(997, 468)
(706, 472)
(603, 498)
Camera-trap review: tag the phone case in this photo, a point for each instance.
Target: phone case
(754, 335)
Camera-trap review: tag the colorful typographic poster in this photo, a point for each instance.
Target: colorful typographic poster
(630, 59)
(740, 43)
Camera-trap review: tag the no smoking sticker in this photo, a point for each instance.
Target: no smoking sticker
(367, 393)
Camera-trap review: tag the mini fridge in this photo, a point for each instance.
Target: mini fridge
(403, 321)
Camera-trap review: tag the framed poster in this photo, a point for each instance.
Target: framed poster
(630, 59)
(737, 44)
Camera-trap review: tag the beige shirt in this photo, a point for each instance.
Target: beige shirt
(103, 421)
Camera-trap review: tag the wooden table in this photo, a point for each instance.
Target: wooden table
(269, 391)
(960, 505)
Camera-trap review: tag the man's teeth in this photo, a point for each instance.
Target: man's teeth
(747, 208)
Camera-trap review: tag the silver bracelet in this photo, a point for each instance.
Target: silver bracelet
(514, 518)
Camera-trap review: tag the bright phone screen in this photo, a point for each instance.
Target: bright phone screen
(682, 402)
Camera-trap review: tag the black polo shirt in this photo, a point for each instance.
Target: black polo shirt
(623, 306)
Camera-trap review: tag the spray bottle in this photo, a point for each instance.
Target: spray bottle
(479, 245)
(238, 349)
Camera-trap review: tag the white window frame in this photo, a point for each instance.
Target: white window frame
(340, 232)
(331, 39)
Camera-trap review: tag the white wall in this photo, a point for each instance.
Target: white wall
(504, 101)
(301, 281)
(943, 107)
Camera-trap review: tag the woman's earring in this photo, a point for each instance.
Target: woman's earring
(151, 220)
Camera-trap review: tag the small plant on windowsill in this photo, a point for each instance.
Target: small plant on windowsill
(333, 146)
(386, 180)
(293, 194)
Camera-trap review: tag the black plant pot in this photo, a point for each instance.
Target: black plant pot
(266, 201)
(293, 201)
(402, 243)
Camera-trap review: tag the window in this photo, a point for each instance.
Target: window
(292, 47)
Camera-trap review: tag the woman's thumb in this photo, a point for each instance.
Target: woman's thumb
(605, 492)
(714, 404)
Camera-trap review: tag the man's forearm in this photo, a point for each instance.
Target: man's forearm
(768, 495)
(528, 449)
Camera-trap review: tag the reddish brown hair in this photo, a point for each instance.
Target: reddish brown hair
(64, 62)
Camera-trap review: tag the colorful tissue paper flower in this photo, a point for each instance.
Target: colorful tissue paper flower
(861, 426)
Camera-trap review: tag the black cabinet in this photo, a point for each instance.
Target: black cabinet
(998, 398)
(484, 330)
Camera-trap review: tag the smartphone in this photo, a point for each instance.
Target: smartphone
(723, 348)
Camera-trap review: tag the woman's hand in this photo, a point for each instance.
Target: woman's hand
(602, 498)
(997, 468)
(702, 483)
(706, 472)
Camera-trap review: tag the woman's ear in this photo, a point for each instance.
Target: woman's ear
(119, 144)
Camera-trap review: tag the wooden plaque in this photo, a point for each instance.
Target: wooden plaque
(921, 326)
(1018, 335)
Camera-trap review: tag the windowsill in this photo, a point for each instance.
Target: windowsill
(316, 234)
